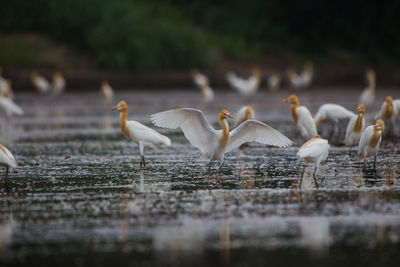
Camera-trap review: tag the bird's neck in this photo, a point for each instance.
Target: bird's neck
(388, 110)
(225, 132)
(359, 123)
(293, 109)
(372, 85)
(122, 122)
(248, 115)
(376, 136)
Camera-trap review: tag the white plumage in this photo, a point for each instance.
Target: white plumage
(355, 127)
(370, 141)
(199, 78)
(41, 84)
(9, 108)
(245, 113)
(302, 117)
(301, 80)
(274, 82)
(139, 133)
(7, 160)
(314, 151)
(367, 97)
(58, 84)
(212, 143)
(388, 112)
(333, 113)
(106, 91)
(245, 87)
(207, 92)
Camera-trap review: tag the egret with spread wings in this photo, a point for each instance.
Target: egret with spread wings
(212, 143)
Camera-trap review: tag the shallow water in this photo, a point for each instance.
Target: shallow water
(78, 196)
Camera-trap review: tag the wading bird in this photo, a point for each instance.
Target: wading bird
(313, 151)
(199, 78)
(302, 117)
(42, 85)
(212, 143)
(370, 141)
(301, 80)
(207, 93)
(367, 97)
(139, 133)
(106, 91)
(58, 83)
(332, 113)
(388, 112)
(355, 128)
(7, 160)
(244, 114)
(245, 87)
(274, 82)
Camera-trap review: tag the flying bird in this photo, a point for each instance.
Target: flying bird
(245, 87)
(314, 151)
(355, 128)
(212, 143)
(139, 133)
(302, 117)
(370, 141)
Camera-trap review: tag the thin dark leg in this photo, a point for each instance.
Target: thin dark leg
(314, 176)
(5, 180)
(302, 174)
(374, 163)
(209, 168)
(142, 162)
(220, 170)
(350, 152)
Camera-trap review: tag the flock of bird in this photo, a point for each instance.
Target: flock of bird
(215, 143)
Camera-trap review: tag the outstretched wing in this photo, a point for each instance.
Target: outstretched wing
(192, 122)
(256, 131)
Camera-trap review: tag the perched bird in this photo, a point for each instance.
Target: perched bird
(274, 82)
(355, 128)
(370, 141)
(58, 84)
(42, 85)
(245, 87)
(139, 133)
(244, 114)
(367, 97)
(314, 151)
(199, 78)
(212, 143)
(332, 113)
(106, 91)
(7, 160)
(302, 117)
(301, 80)
(207, 93)
(388, 112)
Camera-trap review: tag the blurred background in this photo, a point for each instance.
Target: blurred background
(156, 43)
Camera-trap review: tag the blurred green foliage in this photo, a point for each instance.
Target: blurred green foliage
(137, 34)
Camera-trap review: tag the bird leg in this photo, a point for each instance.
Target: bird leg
(302, 174)
(5, 179)
(374, 163)
(220, 170)
(142, 162)
(315, 177)
(350, 152)
(209, 168)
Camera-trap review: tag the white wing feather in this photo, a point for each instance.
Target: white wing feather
(256, 131)
(143, 133)
(364, 141)
(192, 122)
(9, 107)
(306, 122)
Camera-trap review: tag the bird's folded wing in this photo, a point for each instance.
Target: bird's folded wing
(256, 131)
(192, 122)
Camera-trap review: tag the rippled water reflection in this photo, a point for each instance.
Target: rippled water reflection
(78, 196)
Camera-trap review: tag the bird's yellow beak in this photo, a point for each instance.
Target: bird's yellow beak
(115, 108)
(285, 100)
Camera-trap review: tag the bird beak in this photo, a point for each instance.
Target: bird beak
(358, 108)
(115, 108)
(230, 116)
(285, 100)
